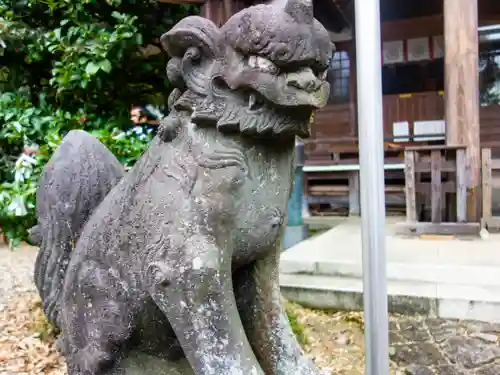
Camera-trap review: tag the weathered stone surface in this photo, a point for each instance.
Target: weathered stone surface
(419, 370)
(486, 337)
(448, 370)
(484, 327)
(395, 337)
(146, 265)
(445, 347)
(443, 330)
(424, 354)
(412, 331)
(470, 352)
(493, 369)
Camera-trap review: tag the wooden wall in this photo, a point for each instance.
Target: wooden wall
(412, 28)
(339, 121)
(333, 124)
(333, 121)
(423, 106)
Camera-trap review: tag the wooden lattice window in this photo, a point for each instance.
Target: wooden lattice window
(338, 76)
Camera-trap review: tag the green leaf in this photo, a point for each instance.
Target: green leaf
(105, 65)
(68, 44)
(36, 56)
(92, 68)
(52, 47)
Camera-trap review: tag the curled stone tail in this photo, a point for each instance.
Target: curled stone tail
(74, 182)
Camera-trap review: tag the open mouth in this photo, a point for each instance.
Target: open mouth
(248, 111)
(256, 103)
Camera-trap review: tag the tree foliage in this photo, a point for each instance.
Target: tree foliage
(73, 64)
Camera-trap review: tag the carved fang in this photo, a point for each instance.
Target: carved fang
(252, 100)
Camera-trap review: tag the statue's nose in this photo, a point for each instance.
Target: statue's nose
(304, 80)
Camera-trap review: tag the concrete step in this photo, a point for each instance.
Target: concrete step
(446, 274)
(409, 297)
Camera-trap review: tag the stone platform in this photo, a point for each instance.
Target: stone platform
(448, 278)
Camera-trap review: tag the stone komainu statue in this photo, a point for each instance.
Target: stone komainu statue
(173, 267)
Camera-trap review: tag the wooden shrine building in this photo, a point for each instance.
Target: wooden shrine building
(440, 64)
(441, 93)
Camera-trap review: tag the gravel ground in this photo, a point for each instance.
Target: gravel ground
(16, 272)
(419, 345)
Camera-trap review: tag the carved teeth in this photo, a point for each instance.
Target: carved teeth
(252, 100)
(252, 62)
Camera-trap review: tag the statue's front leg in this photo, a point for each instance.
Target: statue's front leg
(193, 287)
(258, 297)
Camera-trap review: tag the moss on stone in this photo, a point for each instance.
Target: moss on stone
(46, 330)
(297, 328)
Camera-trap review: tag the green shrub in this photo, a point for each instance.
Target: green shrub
(67, 65)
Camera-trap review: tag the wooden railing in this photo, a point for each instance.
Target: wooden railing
(489, 182)
(434, 175)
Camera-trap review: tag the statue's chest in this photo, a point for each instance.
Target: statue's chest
(268, 179)
(250, 178)
(262, 203)
(244, 188)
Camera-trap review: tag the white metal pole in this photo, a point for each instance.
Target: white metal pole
(371, 145)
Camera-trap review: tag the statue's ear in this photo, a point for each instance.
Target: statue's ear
(193, 45)
(193, 31)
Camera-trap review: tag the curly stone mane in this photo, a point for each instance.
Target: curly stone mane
(269, 31)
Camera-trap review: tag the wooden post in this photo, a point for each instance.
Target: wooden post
(436, 186)
(218, 11)
(411, 207)
(487, 189)
(462, 90)
(354, 206)
(461, 187)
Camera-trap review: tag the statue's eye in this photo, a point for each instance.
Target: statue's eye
(262, 64)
